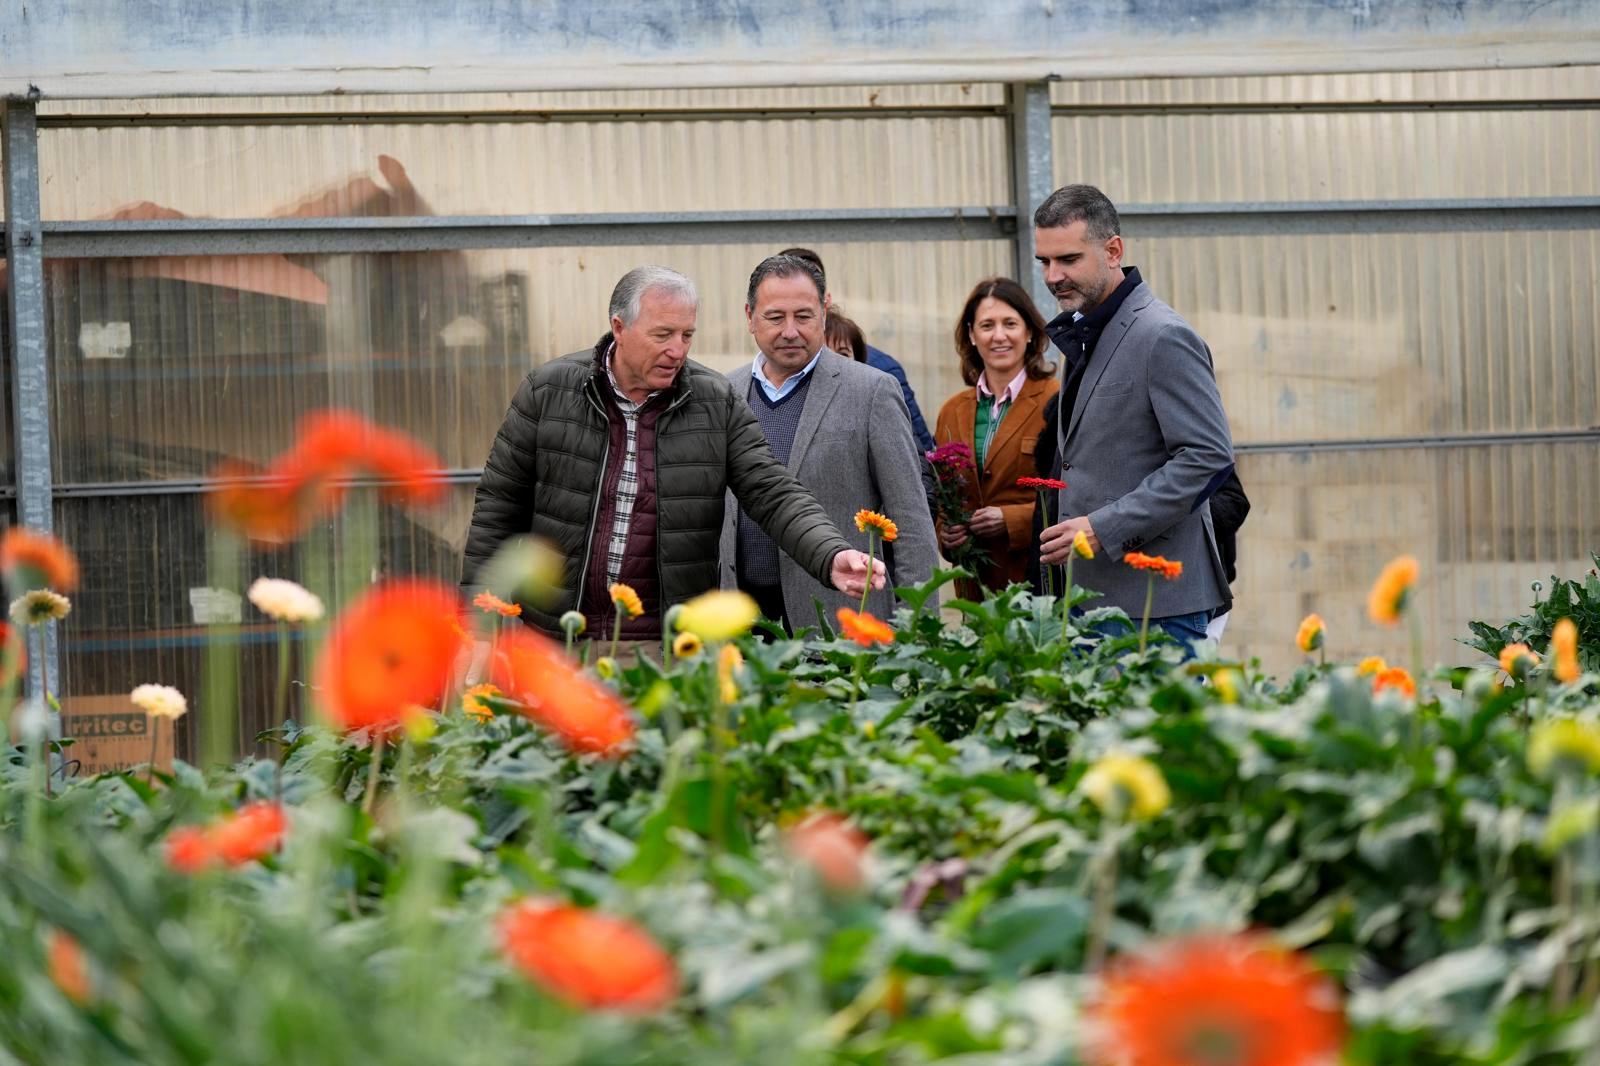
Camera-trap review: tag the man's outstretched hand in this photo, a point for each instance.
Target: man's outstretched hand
(850, 572)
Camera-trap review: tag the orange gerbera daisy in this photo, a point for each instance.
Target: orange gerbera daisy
(272, 507)
(1392, 590)
(30, 560)
(627, 600)
(1210, 999)
(1517, 659)
(553, 692)
(883, 525)
(64, 959)
(832, 847)
(342, 444)
(394, 648)
(1395, 677)
(590, 960)
(1311, 633)
(1156, 564)
(1371, 665)
(475, 702)
(864, 629)
(188, 849)
(1564, 650)
(252, 832)
(493, 604)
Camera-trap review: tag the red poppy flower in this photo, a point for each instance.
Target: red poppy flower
(535, 672)
(1235, 999)
(594, 961)
(30, 559)
(253, 832)
(393, 649)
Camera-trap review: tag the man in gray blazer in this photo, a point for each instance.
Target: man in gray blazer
(842, 429)
(1144, 441)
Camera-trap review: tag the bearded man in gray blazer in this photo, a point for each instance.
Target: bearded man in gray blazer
(842, 429)
(1144, 442)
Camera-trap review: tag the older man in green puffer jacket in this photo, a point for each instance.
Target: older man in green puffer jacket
(620, 457)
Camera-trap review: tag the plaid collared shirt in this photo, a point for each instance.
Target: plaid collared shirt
(627, 481)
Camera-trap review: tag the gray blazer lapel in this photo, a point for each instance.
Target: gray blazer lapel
(819, 394)
(1104, 350)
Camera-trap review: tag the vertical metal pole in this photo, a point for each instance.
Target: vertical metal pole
(30, 385)
(1032, 177)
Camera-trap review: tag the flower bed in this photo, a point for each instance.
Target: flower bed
(998, 841)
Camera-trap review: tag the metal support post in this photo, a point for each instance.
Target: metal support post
(1033, 178)
(30, 389)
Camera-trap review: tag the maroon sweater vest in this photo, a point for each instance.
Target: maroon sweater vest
(640, 565)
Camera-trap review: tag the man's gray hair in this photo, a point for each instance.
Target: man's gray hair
(625, 298)
(1079, 203)
(784, 265)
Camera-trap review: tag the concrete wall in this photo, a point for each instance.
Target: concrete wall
(144, 48)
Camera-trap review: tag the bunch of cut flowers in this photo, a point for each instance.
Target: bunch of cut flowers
(951, 464)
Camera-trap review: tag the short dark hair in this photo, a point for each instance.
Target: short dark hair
(840, 328)
(811, 257)
(783, 266)
(1080, 203)
(1009, 292)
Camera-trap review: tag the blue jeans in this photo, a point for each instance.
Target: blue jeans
(1186, 629)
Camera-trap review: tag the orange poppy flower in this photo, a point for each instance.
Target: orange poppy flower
(832, 847)
(553, 692)
(392, 649)
(864, 629)
(1392, 590)
(188, 849)
(253, 832)
(1395, 677)
(30, 559)
(64, 959)
(1182, 1004)
(493, 604)
(883, 525)
(594, 961)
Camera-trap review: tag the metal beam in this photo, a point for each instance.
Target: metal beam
(29, 351)
(469, 475)
(1032, 177)
(205, 236)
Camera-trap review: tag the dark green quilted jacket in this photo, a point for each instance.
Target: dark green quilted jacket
(546, 464)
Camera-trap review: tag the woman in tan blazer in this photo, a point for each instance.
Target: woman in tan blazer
(1001, 341)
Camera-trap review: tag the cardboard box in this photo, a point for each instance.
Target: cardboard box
(111, 734)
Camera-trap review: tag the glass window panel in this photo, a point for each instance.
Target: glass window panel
(1537, 83)
(148, 607)
(163, 367)
(1341, 337)
(1485, 522)
(533, 167)
(1318, 155)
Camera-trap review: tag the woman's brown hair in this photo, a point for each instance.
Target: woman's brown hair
(840, 328)
(1008, 292)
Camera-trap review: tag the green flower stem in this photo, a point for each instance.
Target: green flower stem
(150, 774)
(1562, 981)
(1416, 648)
(866, 590)
(1105, 893)
(374, 769)
(281, 705)
(855, 683)
(44, 685)
(1044, 567)
(1149, 601)
(616, 630)
(1066, 598)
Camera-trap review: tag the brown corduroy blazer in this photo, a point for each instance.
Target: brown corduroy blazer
(1010, 456)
